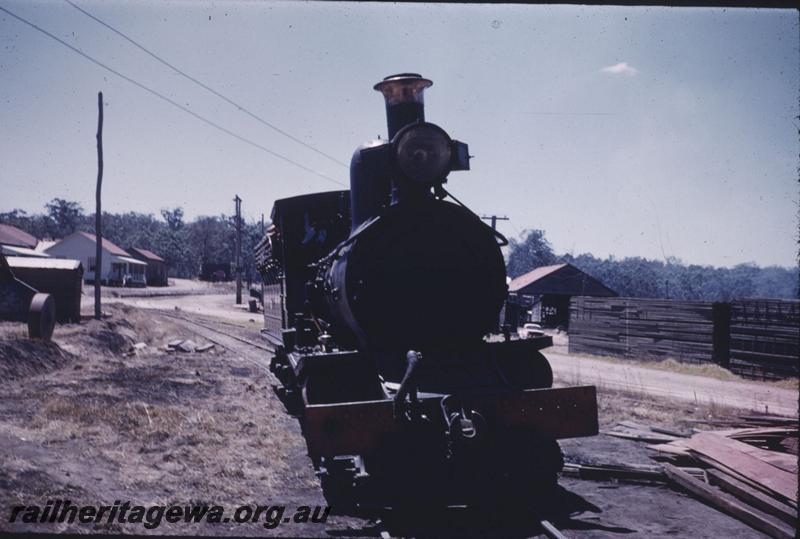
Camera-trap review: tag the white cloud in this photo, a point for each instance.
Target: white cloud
(621, 68)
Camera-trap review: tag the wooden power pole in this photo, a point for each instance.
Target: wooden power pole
(98, 253)
(494, 219)
(238, 202)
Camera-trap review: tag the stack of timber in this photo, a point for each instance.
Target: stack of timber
(750, 473)
(757, 338)
(628, 472)
(765, 338)
(642, 328)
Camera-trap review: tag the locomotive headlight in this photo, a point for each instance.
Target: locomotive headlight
(423, 152)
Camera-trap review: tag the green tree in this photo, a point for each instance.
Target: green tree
(65, 217)
(172, 243)
(173, 217)
(531, 252)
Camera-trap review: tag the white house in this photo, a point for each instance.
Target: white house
(118, 267)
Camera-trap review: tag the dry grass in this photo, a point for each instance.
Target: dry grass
(615, 406)
(135, 419)
(708, 370)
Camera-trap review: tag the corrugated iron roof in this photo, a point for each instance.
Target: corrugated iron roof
(42, 263)
(532, 276)
(11, 250)
(560, 279)
(11, 235)
(44, 245)
(107, 245)
(150, 255)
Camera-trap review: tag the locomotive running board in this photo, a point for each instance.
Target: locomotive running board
(358, 428)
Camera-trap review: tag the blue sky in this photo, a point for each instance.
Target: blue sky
(620, 131)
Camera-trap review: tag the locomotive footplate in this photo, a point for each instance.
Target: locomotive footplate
(361, 427)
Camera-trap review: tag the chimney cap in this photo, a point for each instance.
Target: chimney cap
(403, 88)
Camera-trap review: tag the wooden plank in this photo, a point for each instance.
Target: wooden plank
(763, 358)
(783, 461)
(636, 341)
(551, 531)
(713, 464)
(728, 504)
(639, 435)
(670, 432)
(726, 452)
(678, 447)
(790, 429)
(605, 473)
(772, 330)
(771, 421)
(753, 497)
(691, 333)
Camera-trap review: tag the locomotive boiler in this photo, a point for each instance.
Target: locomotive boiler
(383, 304)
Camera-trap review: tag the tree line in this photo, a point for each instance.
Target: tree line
(668, 279)
(185, 246)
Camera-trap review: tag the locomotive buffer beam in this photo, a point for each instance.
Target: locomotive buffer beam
(359, 428)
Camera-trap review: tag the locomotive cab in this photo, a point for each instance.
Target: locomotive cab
(388, 298)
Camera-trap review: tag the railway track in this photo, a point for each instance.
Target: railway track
(254, 352)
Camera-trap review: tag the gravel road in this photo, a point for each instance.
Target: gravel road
(662, 384)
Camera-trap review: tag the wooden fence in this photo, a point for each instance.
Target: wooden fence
(757, 338)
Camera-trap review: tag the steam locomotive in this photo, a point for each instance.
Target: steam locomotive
(382, 303)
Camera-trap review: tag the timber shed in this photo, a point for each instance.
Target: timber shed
(546, 292)
(156, 271)
(62, 278)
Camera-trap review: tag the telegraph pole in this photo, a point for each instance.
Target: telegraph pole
(238, 202)
(494, 219)
(98, 232)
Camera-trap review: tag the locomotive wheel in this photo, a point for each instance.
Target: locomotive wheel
(534, 477)
(41, 317)
(339, 495)
(551, 462)
(541, 373)
(528, 372)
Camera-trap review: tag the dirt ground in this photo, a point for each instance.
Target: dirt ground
(92, 419)
(177, 287)
(221, 306)
(148, 427)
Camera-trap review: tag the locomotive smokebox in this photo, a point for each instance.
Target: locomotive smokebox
(404, 95)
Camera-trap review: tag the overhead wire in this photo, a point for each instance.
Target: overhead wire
(205, 86)
(171, 101)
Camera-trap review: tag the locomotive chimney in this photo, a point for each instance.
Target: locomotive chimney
(404, 100)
